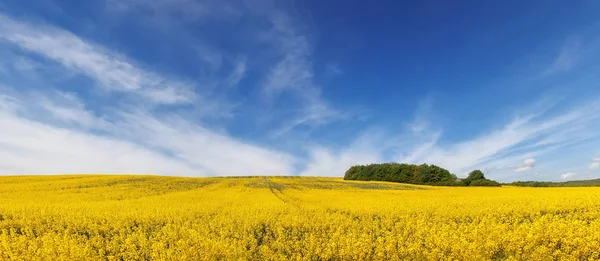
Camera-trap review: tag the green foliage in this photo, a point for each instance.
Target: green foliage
(473, 175)
(415, 174)
(484, 183)
(531, 184)
(573, 183)
(476, 175)
(403, 173)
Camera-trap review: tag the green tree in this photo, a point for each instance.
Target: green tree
(475, 175)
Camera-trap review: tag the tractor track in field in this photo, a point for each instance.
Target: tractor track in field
(277, 190)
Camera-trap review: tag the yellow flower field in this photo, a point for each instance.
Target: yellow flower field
(168, 218)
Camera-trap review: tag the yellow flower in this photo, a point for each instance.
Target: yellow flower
(277, 218)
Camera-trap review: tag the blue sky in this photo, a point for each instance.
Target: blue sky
(220, 88)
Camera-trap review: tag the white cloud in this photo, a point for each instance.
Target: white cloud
(420, 151)
(595, 164)
(333, 70)
(568, 175)
(67, 108)
(316, 114)
(216, 152)
(29, 147)
(238, 72)
(291, 72)
(334, 163)
(111, 69)
(324, 162)
(420, 123)
(294, 73)
(527, 164)
(25, 66)
(566, 59)
(496, 149)
(135, 142)
(8, 103)
(500, 144)
(48, 131)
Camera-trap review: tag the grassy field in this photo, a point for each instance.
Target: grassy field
(166, 218)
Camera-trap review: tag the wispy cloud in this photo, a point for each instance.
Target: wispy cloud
(324, 161)
(26, 66)
(133, 141)
(568, 175)
(216, 152)
(112, 70)
(595, 163)
(238, 72)
(527, 164)
(30, 147)
(289, 85)
(52, 131)
(566, 59)
(63, 107)
(496, 149)
(491, 149)
(294, 73)
(333, 70)
(420, 151)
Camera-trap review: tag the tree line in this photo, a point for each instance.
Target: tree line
(572, 183)
(415, 174)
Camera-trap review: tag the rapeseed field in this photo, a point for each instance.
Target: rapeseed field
(95, 217)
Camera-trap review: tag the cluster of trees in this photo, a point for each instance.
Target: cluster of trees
(415, 174)
(477, 179)
(403, 173)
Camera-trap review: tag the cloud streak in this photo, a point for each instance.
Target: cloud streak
(522, 132)
(294, 73)
(495, 150)
(566, 59)
(51, 131)
(134, 141)
(595, 164)
(527, 165)
(324, 161)
(112, 70)
(568, 175)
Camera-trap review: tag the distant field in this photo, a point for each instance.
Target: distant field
(275, 218)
